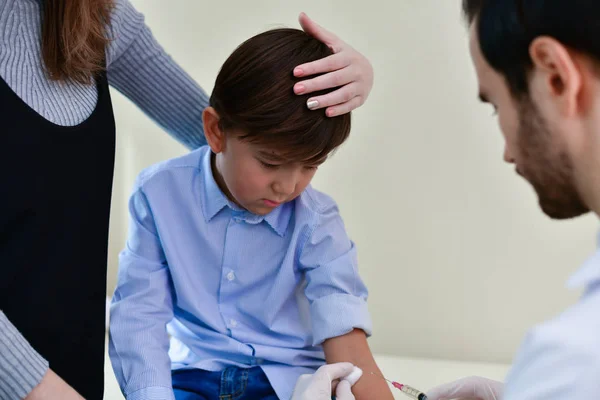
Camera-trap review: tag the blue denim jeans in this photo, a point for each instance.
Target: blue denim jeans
(230, 384)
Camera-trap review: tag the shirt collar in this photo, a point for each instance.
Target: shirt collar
(279, 218)
(588, 274)
(214, 200)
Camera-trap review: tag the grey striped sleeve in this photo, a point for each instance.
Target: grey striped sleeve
(140, 68)
(21, 367)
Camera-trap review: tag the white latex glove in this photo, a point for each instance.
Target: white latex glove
(474, 387)
(319, 385)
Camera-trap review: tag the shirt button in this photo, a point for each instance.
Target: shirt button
(233, 323)
(231, 276)
(259, 361)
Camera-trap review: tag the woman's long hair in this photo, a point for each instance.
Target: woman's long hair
(74, 38)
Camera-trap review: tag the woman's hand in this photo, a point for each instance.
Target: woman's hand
(346, 68)
(52, 387)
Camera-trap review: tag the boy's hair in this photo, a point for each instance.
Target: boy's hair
(254, 98)
(506, 29)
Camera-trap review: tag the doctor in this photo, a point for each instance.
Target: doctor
(538, 66)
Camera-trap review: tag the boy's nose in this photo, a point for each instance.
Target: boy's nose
(284, 188)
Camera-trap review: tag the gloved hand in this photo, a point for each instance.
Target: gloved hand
(319, 385)
(474, 387)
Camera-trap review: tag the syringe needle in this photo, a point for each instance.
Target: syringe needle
(381, 376)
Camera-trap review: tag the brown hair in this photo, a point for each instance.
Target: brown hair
(254, 97)
(74, 38)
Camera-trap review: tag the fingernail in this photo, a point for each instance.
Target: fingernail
(312, 104)
(298, 72)
(330, 113)
(299, 89)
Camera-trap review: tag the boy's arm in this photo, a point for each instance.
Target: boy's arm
(353, 347)
(337, 296)
(142, 306)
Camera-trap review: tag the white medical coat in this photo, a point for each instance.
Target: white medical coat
(560, 359)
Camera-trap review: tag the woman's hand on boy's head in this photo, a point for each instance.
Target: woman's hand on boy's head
(346, 68)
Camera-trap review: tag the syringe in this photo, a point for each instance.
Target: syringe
(407, 390)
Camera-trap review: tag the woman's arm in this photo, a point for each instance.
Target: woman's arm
(23, 372)
(140, 68)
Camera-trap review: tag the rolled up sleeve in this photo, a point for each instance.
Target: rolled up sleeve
(336, 293)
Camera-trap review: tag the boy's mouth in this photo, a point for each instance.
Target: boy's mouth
(271, 203)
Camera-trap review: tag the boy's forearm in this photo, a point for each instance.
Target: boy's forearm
(353, 347)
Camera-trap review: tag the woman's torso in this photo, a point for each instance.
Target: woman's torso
(57, 156)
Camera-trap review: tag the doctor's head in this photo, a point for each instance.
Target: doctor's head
(538, 65)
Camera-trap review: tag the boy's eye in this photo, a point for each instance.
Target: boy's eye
(267, 165)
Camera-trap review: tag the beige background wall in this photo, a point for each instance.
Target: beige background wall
(458, 258)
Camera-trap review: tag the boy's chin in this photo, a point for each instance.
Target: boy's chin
(258, 209)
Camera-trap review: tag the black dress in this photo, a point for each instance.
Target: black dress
(55, 191)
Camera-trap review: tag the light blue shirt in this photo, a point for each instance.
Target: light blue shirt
(231, 287)
(560, 359)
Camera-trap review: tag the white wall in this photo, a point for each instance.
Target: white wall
(457, 255)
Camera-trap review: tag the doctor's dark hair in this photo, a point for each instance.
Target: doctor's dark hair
(254, 98)
(506, 29)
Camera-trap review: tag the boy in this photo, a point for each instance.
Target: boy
(248, 267)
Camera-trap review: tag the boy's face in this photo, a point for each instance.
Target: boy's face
(257, 179)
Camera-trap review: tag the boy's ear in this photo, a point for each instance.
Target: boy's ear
(214, 135)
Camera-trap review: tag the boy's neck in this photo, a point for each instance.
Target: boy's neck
(219, 179)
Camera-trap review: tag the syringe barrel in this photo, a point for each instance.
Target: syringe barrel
(414, 393)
